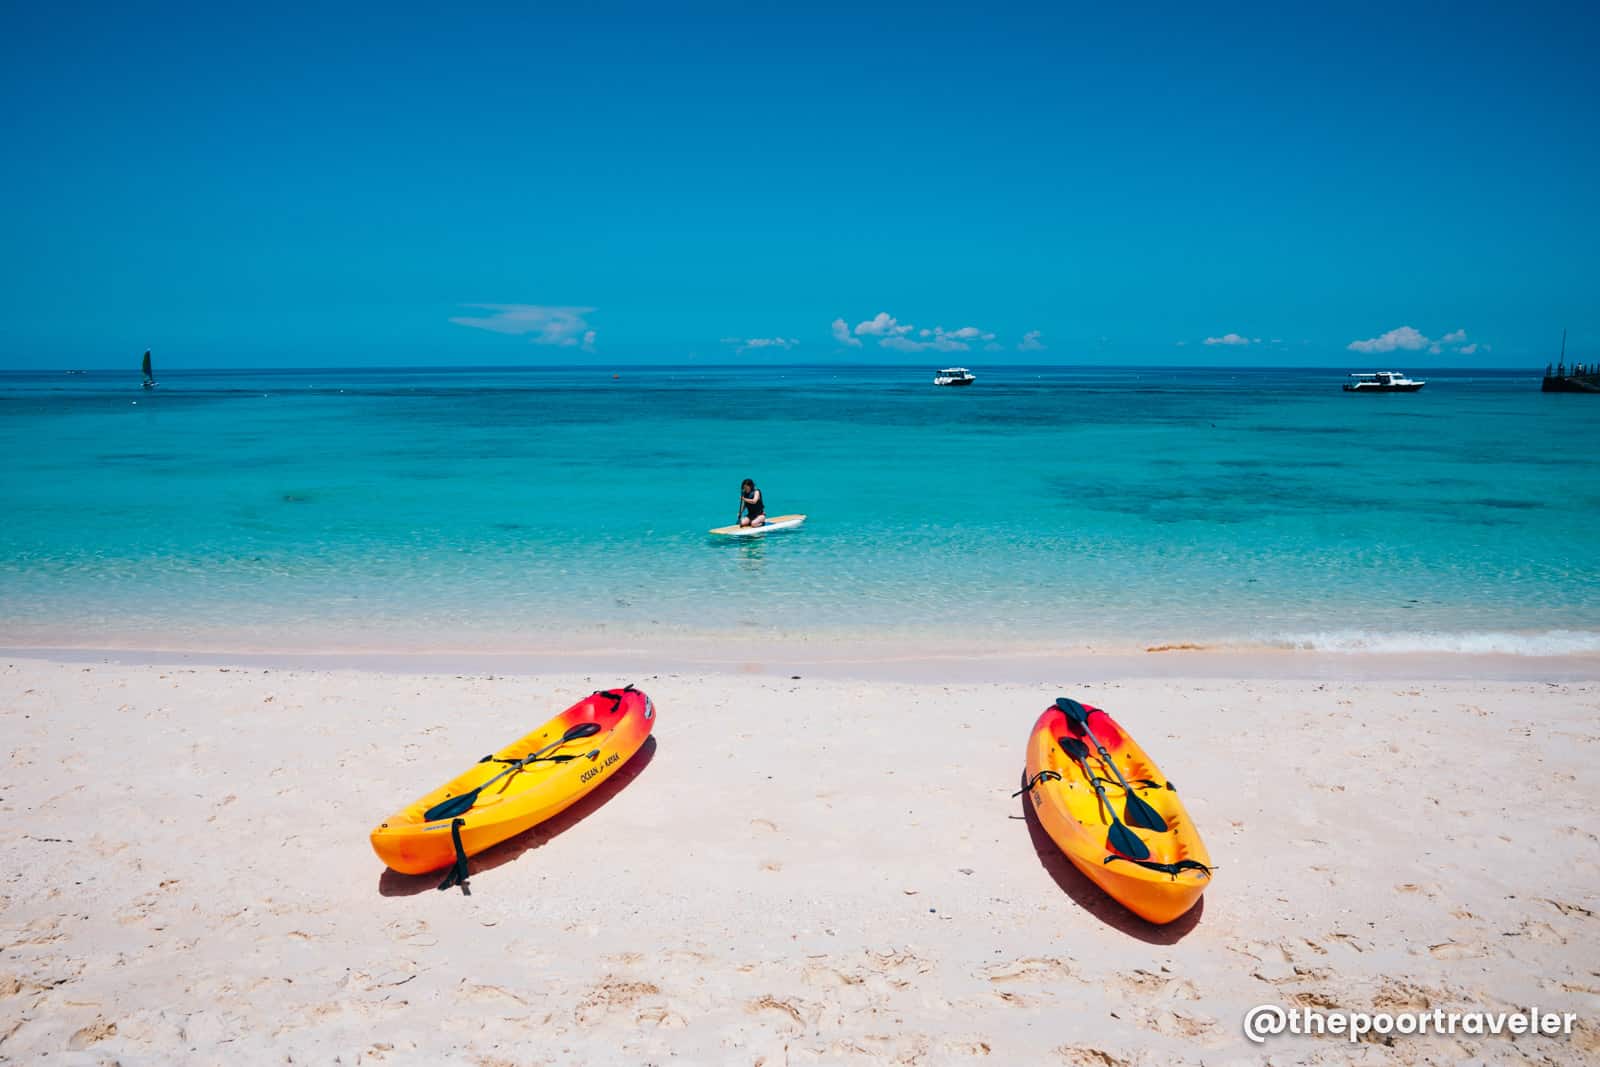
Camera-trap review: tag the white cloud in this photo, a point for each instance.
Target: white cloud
(1031, 343)
(747, 343)
(882, 324)
(1231, 339)
(992, 347)
(939, 339)
(544, 325)
(1405, 338)
(902, 336)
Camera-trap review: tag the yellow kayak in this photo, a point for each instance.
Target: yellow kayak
(520, 786)
(1084, 807)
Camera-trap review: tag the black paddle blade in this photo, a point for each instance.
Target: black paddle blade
(1074, 748)
(1074, 711)
(1140, 813)
(449, 809)
(1127, 842)
(583, 729)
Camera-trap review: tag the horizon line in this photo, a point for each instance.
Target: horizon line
(659, 365)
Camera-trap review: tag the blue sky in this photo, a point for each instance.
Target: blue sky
(623, 183)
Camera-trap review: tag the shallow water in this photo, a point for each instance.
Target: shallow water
(1070, 505)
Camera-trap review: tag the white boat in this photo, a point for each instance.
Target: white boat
(954, 376)
(1383, 381)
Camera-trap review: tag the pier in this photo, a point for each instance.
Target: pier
(1579, 378)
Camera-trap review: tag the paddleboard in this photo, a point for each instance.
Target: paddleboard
(777, 522)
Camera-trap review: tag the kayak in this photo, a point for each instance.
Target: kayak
(1160, 887)
(606, 729)
(777, 522)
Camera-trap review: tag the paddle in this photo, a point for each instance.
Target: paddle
(449, 809)
(1138, 811)
(1120, 839)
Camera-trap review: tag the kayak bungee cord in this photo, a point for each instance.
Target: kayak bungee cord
(447, 809)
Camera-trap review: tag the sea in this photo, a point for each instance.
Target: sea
(1071, 507)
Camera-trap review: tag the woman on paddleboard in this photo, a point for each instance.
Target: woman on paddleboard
(752, 509)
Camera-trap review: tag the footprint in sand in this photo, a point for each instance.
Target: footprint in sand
(764, 824)
(1540, 931)
(1080, 1056)
(611, 996)
(412, 932)
(795, 1009)
(1314, 999)
(1566, 908)
(1455, 950)
(489, 995)
(40, 931)
(1027, 969)
(829, 978)
(85, 1036)
(662, 1017)
(964, 1047)
(895, 961)
(1190, 1026)
(1139, 983)
(1405, 996)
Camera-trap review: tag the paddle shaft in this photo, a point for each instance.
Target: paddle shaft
(1139, 812)
(454, 806)
(525, 760)
(1098, 747)
(1121, 838)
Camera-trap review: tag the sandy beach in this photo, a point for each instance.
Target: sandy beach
(819, 869)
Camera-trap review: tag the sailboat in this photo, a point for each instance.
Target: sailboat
(149, 377)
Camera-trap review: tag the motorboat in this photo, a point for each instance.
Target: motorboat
(954, 376)
(1383, 381)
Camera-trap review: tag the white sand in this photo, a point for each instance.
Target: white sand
(795, 871)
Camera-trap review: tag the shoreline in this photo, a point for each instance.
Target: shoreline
(891, 659)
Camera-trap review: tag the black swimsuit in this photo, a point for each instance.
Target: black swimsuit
(758, 509)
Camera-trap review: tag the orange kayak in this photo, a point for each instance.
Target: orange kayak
(1159, 887)
(606, 728)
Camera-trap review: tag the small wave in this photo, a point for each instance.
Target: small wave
(1490, 642)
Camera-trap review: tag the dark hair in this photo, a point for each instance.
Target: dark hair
(748, 483)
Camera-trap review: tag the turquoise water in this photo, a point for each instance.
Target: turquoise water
(1078, 506)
